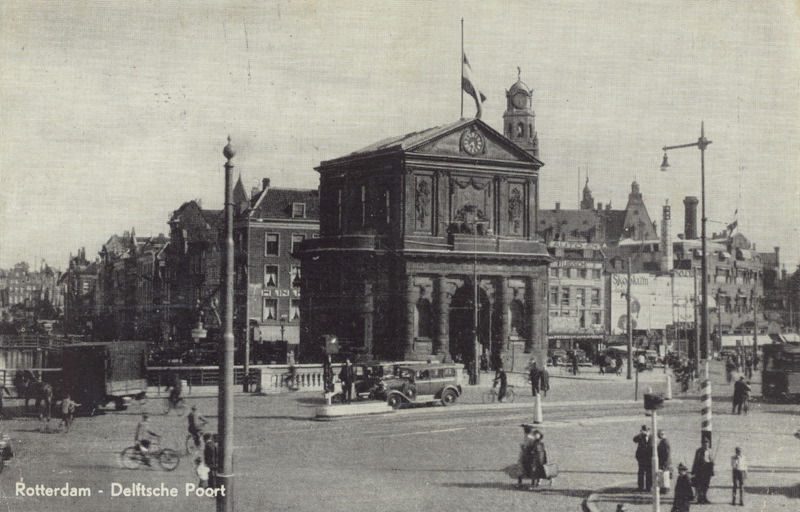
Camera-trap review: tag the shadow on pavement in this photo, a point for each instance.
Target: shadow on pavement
(789, 492)
(546, 491)
(629, 495)
(774, 469)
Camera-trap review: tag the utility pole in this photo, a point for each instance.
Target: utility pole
(628, 322)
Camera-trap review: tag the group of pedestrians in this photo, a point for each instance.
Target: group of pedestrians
(532, 457)
(690, 486)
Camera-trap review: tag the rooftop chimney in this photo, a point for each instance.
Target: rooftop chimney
(265, 183)
(558, 206)
(690, 218)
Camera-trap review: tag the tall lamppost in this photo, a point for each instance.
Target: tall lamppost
(225, 460)
(701, 144)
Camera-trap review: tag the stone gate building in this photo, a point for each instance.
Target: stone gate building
(410, 225)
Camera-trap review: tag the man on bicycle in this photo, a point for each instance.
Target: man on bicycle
(144, 438)
(176, 389)
(196, 424)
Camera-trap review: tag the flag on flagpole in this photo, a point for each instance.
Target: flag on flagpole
(469, 86)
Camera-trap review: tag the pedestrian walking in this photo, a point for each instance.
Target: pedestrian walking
(327, 378)
(544, 381)
(730, 367)
(702, 471)
(618, 364)
(539, 458)
(683, 491)
(526, 456)
(664, 461)
(67, 412)
(739, 469)
(211, 458)
(741, 395)
(748, 366)
(501, 378)
(644, 453)
(574, 358)
(533, 377)
(346, 376)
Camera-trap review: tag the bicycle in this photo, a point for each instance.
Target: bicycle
(491, 395)
(133, 457)
(170, 403)
(191, 447)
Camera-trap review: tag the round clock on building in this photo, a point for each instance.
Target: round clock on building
(520, 100)
(472, 142)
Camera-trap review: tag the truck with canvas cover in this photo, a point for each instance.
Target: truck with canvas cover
(97, 374)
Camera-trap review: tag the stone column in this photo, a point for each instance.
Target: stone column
(504, 303)
(368, 308)
(410, 294)
(537, 285)
(530, 316)
(442, 346)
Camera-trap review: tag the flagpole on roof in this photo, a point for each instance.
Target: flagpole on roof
(461, 69)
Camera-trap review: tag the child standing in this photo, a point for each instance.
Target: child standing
(739, 468)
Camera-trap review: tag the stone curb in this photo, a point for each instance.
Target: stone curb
(589, 503)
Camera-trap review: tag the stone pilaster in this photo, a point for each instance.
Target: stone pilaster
(504, 303)
(410, 297)
(442, 346)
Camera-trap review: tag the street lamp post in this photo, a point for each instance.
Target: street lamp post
(701, 144)
(225, 464)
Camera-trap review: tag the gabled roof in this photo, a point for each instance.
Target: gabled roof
(276, 203)
(414, 140)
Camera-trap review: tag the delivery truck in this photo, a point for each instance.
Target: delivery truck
(98, 374)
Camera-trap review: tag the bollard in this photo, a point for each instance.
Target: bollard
(668, 391)
(537, 410)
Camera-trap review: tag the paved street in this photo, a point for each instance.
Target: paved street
(430, 458)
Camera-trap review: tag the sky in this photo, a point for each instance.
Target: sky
(112, 114)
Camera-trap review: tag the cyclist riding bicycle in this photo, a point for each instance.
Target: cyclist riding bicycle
(175, 389)
(144, 438)
(196, 424)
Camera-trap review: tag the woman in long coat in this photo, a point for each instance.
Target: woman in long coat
(526, 456)
(539, 458)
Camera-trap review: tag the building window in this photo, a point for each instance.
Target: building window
(271, 244)
(298, 210)
(554, 295)
(565, 296)
(271, 275)
(294, 313)
(270, 311)
(296, 241)
(295, 276)
(595, 297)
(584, 273)
(596, 318)
(581, 297)
(553, 271)
(582, 320)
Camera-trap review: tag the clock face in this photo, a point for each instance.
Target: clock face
(520, 100)
(472, 142)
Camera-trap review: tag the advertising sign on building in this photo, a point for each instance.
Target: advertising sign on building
(657, 301)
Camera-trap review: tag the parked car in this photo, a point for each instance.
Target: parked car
(556, 357)
(421, 383)
(369, 375)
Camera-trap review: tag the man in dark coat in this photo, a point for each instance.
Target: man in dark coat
(644, 454)
(703, 470)
(211, 458)
(501, 378)
(683, 491)
(346, 376)
(741, 394)
(664, 457)
(544, 381)
(533, 377)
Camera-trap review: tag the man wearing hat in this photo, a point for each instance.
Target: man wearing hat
(196, 424)
(644, 454)
(683, 491)
(664, 460)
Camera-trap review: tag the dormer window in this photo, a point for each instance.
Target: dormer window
(298, 210)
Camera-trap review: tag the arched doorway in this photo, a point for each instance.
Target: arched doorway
(462, 336)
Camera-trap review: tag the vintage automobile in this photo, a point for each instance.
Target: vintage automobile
(369, 375)
(557, 357)
(421, 383)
